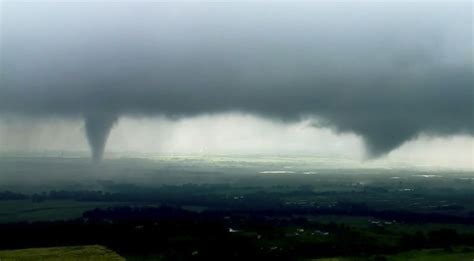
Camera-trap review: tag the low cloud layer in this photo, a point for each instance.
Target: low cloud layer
(386, 72)
(229, 135)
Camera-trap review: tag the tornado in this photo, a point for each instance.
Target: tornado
(98, 126)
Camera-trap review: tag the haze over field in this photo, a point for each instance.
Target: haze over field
(352, 79)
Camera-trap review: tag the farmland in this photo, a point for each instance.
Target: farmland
(237, 208)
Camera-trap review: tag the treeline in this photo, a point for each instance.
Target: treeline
(8, 195)
(209, 196)
(268, 203)
(361, 209)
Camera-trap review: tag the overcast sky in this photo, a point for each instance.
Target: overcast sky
(337, 78)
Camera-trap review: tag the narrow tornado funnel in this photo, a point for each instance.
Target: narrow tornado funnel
(98, 126)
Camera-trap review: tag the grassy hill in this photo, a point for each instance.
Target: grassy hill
(91, 253)
(457, 254)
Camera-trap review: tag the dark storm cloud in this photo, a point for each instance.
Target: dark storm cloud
(384, 71)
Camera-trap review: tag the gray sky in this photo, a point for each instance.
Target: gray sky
(382, 72)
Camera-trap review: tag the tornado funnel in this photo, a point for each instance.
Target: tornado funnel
(98, 126)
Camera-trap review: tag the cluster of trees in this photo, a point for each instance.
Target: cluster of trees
(8, 195)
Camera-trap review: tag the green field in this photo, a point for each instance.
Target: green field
(91, 253)
(457, 254)
(51, 210)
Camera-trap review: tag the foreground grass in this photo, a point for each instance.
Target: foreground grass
(458, 254)
(435, 255)
(73, 253)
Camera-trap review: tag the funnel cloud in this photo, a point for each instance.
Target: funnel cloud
(385, 71)
(98, 126)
